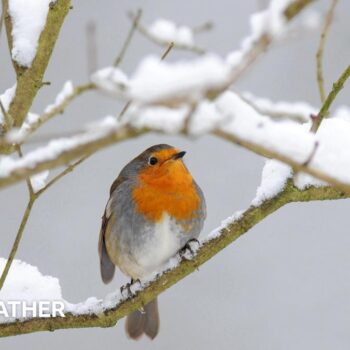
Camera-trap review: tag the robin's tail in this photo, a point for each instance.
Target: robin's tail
(146, 322)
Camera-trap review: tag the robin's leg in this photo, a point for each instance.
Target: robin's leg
(188, 251)
(134, 283)
(126, 290)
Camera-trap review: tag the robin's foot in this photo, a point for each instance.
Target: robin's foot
(135, 285)
(189, 250)
(125, 291)
(130, 289)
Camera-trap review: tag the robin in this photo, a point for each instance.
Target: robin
(155, 207)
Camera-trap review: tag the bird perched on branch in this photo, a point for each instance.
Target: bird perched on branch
(155, 208)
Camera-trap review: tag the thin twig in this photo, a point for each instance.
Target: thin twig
(69, 169)
(2, 18)
(145, 32)
(17, 241)
(166, 52)
(33, 196)
(188, 117)
(129, 37)
(25, 217)
(312, 154)
(260, 45)
(46, 116)
(91, 47)
(320, 50)
(29, 183)
(203, 27)
(124, 109)
(128, 103)
(272, 113)
(337, 86)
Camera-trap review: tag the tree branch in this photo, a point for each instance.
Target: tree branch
(163, 43)
(46, 116)
(29, 80)
(33, 196)
(122, 133)
(337, 86)
(127, 42)
(209, 248)
(319, 54)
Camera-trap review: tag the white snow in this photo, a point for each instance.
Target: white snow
(6, 99)
(232, 115)
(17, 135)
(66, 91)
(224, 224)
(111, 80)
(286, 137)
(163, 94)
(28, 20)
(299, 110)
(162, 118)
(274, 20)
(167, 31)
(56, 147)
(273, 180)
(168, 83)
(205, 118)
(38, 181)
(311, 20)
(270, 21)
(24, 282)
(292, 139)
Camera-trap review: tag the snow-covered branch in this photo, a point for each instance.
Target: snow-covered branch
(32, 29)
(105, 313)
(229, 117)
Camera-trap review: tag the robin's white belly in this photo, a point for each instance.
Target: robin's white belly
(162, 243)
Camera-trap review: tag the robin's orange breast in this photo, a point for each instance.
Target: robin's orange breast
(171, 191)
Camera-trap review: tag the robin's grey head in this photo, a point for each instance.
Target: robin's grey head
(152, 160)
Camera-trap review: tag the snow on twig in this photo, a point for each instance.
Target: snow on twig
(28, 20)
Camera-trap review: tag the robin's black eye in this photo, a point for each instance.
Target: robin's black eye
(153, 160)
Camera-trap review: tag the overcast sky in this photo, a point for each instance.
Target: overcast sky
(284, 285)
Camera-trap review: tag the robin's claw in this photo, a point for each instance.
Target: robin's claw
(135, 284)
(189, 250)
(130, 289)
(125, 291)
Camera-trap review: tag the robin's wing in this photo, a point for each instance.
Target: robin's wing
(107, 267)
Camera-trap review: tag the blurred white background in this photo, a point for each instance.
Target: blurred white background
(284, 285)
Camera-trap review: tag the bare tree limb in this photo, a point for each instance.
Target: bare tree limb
(228, 234)
(123, 133)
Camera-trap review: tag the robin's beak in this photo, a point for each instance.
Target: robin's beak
(178, 155)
